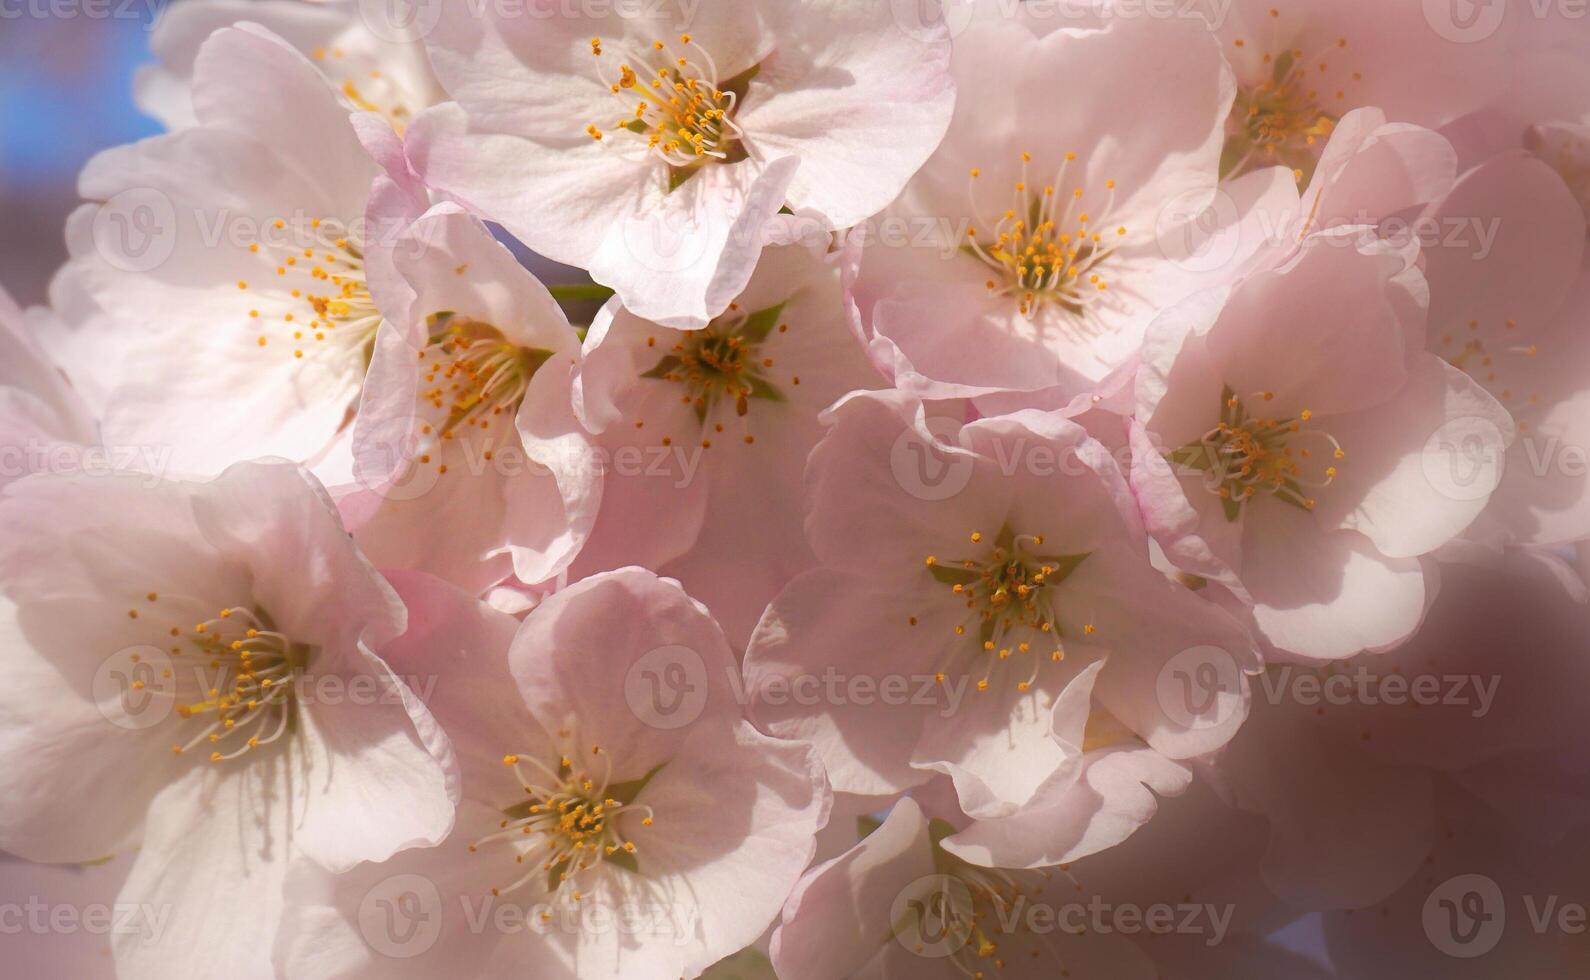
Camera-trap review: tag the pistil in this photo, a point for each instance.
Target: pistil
(569, 823)
(1011, 592)
(1047, 247)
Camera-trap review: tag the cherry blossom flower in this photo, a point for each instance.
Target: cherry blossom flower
(1291, 440)
(652, 147)
(1302, 66)
(255, 326)
(745, 489)
(1033, 247)
(988, 564)
(634, 841)
(186, 662)
(1507, 301)
(706, 434)
(899, 899)
(369, 52)
(1370, 172)
(1108, 790)
(466, 439)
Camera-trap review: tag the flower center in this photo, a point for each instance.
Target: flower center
(1282, 119)
(232, 677)
(1244, 455)
(568, 823)
(723, 364)
(367, 88)
(472, 383)
(476, 376)
(314, 297)
(673, 99)
(1489, 355)
(1010, 592)
(978, 917)
(1043, 250)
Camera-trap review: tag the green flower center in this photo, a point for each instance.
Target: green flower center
(1282, 120)
(1010, 592)
(1245, 455)
(1047, 246)
(674, 100)
(720, 365)
(570, 822)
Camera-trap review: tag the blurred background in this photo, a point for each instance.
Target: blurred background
(66, 71)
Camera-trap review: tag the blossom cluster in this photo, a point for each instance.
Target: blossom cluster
(810, 488)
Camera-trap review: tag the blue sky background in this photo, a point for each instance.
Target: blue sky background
(65, 93)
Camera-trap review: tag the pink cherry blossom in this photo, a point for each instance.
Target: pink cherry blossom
(184, 660)
(706, 433)
(584, 805)
(1507, 301)
(755, 489)
(899, 900)
(657, 143)
(1302, 67)
(370, 53)
(472, 463)
(1032, 249)
(990, 585)
(251, 300)
(1294, 443)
